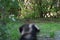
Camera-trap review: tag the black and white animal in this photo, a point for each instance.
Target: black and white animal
(29, 32)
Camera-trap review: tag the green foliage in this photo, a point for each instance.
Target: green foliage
(31, 16)
(8, 7)
(5, 6)
(3, 32)
(36, 7)
(44, 6)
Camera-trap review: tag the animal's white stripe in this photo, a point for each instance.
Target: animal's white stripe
(22, 32)
(37, 27)
(30, 26)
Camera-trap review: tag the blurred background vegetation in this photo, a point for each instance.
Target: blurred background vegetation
(45, 13)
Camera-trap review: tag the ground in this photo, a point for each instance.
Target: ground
(45, 28)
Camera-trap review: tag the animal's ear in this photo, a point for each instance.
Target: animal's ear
(36, 28)
(21, 28)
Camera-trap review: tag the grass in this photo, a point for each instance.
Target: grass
(13, 30)
(45, 28)
(48, 27)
